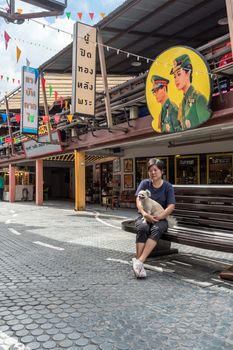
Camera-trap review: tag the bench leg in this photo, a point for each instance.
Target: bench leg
(163, 248)
(227, 274)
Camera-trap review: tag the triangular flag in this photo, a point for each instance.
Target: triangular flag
(27, 62)
(1, 77)
(61, 101)
(4, 117)
(70, 118)
(18, 53)
(1, 138)
(13, 80)
(18, 81)
(43, 82)
(50, 90)
(91, 14)
(7, 38)
(55, 95)
(17, 118)
(57, 118)
(102, 14)
(45, 118)
(20, 11)
(7, 78)
(66, 104)
(80, 14)
(31, 118)
(8, 140)
(68, 14)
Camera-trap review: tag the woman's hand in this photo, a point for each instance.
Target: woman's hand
(151, 218)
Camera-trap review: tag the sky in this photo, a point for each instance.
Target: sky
(37, 42)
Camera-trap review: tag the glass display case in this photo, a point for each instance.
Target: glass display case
(219, 168)
(187, 170)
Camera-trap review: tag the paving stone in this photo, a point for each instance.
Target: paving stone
(65, 343)
(58, 337)
(74, 335)
(27, 339)
(43, 338)
(49, 345)
(82, 341)
(34, 346)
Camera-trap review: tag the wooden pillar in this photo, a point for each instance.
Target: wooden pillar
(80, 183)
(39, 182)
(11, 183)
(229, 7)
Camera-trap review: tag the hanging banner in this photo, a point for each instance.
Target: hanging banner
(30, 101)
(178, 90)
(84, 70)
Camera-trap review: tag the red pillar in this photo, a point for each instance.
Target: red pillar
(39, 182)
(11, 183)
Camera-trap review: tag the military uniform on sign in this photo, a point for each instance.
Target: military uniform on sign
(168, 117)
(168, 121)
(193, 109)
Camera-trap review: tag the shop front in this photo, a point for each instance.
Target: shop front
(24, 185)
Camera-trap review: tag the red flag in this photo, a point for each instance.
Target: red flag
(91, 14)
(45, 118)
(80, 14)
(18, 81)
(7, 38)
(1, 77)
(61, 101)
(57, 118)
(13, 80)
(55, 95)
(17, 117)
(43, 82)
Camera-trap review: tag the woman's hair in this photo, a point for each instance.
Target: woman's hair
(155, 161)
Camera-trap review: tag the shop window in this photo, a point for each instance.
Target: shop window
(187, 170)
(219, 169)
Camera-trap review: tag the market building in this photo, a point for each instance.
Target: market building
(109, 151)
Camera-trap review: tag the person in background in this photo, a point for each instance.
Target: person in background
(149, 232)
(1, 186)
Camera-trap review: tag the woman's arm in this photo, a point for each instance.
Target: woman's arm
(166, 212)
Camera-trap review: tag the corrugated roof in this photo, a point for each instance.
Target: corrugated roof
(62, 84)
(146, 28)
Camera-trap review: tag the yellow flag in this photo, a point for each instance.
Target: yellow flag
(20, 11)
(102, 14)
(18, 53)
(70, 118)
(66, 104)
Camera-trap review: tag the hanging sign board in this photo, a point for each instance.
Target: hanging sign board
(84, 69)
(34, 149)
(178, 90)
(30, 101)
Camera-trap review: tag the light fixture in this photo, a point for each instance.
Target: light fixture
(223, 21)
(136, 63)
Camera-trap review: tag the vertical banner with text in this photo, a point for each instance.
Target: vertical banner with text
(30, 101)
(84, 70)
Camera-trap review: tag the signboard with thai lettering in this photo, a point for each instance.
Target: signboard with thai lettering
(30, 101)
(34, 149)
(84, 69)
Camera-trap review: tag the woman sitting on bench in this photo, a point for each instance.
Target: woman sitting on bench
(151, 229)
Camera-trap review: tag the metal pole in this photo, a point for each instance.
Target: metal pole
(9, 125)
(105, 80)
(46, 109)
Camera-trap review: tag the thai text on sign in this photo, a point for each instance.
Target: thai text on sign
(30, 100)
(84, 69)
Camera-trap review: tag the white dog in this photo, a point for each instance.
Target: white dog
(152, 207)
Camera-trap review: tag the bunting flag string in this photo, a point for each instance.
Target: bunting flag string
(7, 39)
(18, 53)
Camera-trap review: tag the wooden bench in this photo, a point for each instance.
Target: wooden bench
(204, 218)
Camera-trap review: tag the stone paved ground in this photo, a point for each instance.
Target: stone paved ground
(66, 283)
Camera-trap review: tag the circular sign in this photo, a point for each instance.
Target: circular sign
(178, 90)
